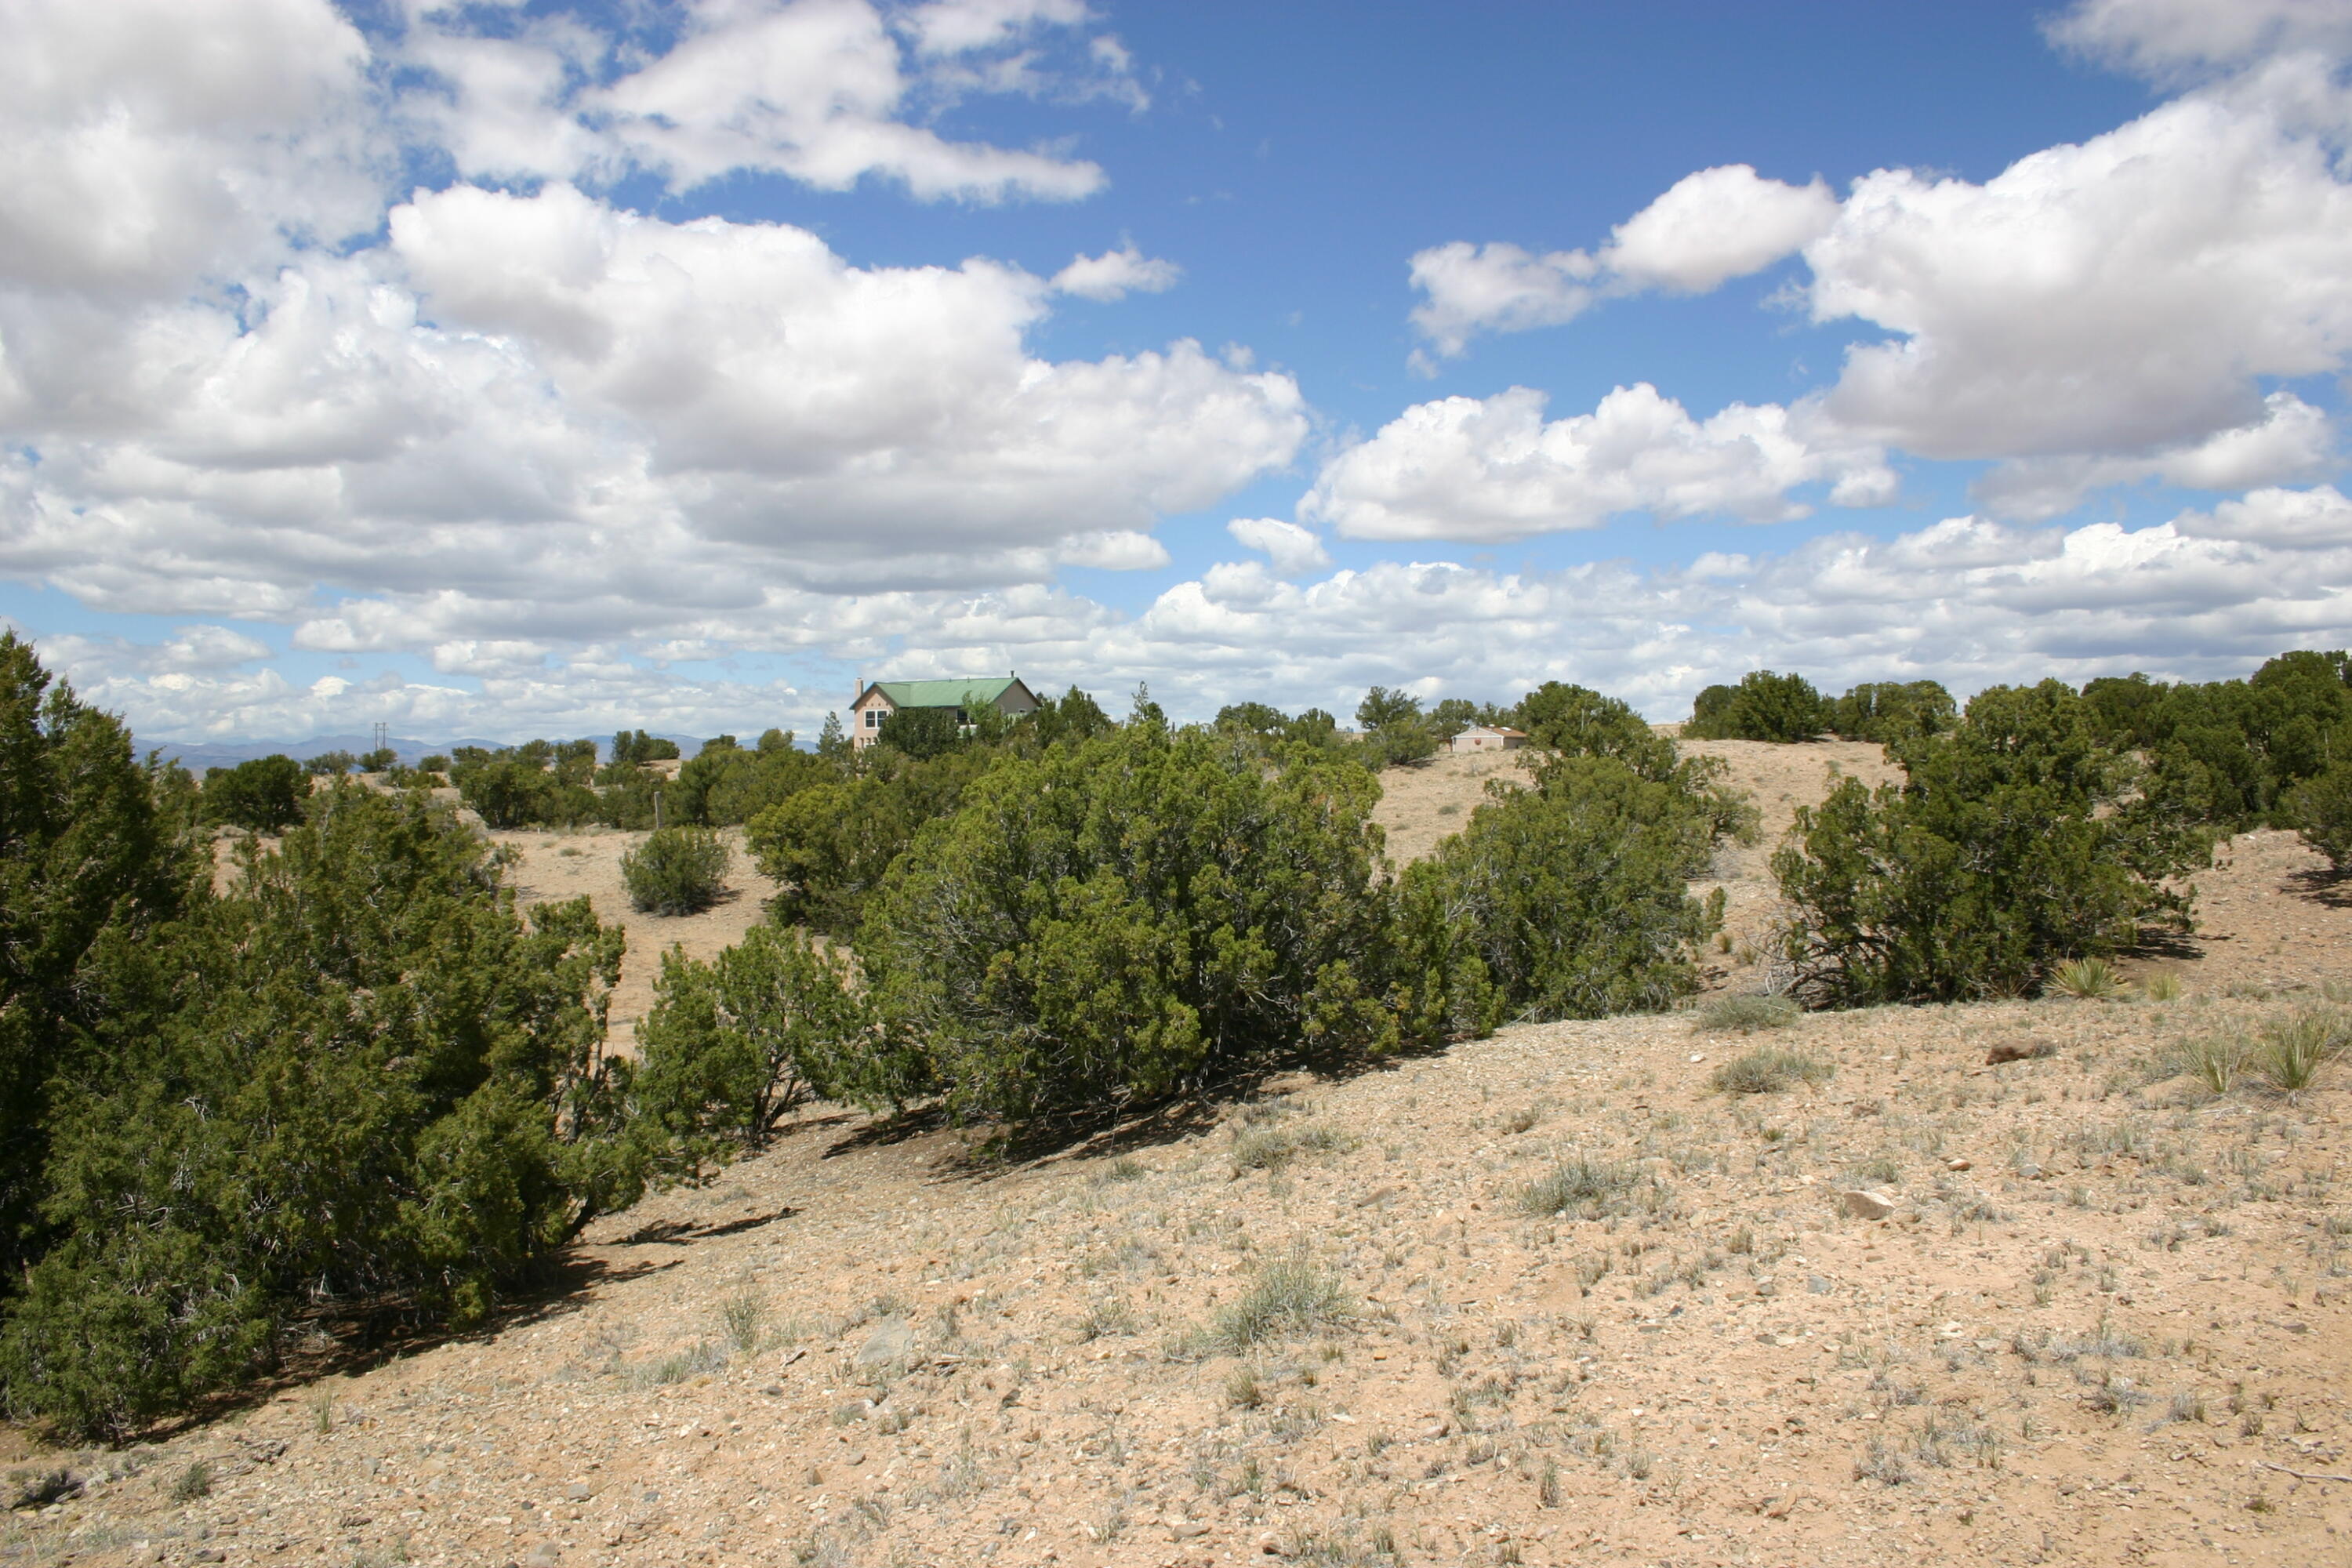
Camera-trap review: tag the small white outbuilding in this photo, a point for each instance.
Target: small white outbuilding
(1489, 738)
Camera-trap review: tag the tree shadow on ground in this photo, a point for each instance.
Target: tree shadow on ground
(2328, 888)
(349, 1338)
(683, 1232)
(1109, 1132)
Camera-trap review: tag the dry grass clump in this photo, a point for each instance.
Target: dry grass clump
(1272, 1148)
(677, 1366)
(1769, 1071)
(744, 1316)
(1746, 1015)
(1290, 1296)
(1581, 1186)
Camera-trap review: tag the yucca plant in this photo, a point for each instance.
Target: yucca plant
(2215, 1060)
(2091, 979)
(2292, 1049)
(2164, 986)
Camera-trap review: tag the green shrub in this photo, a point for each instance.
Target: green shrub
(359, 1074)
(635, 748)
(2017, 842)
(1769, 1071)
(921, 733)
(1746, 1015)
(2231, 754)
(92, 857)
(1764, 706)
(730, 1047)
(1568, 900)
(193, 1482)
(676, 872)
(830, 844)
(264, 794)
(1112, 921)
(2321, 810)
(1890, 711)
(1395, 730)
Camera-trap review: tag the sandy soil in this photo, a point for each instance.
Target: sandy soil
(2104, 1320)
(554, 866)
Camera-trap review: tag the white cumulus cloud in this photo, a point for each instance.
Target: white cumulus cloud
(825, 93)
(1495, 469)
(1497, 288)
(1715, 226)
(1115, 273)
(1707, 228)
(2168, 38)
(1291, 549)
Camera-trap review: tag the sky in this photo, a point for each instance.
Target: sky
(500, 370)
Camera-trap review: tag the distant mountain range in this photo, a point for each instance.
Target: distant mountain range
(197, 755)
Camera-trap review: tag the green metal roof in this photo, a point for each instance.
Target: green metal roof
(944, 693)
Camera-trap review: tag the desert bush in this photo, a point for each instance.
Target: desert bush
(1109, 921)
(2162, 986)
(921, 733)
(676, 872)
(830, 844)
(2016, 843)
(193, 1482)
(1769, 1071)
(91, 859)
(1577, 722)
(1568, 900)
(358, 1074)
(1746, 1015)
(1764, 706)
(519, 788)
(1395, 730)
(264, 794)
(1889, 712)
(2237, 754)
(731, 1045)
(744, 1317)
(2321, 811)
(330, 764)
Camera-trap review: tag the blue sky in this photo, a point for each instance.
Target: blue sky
(511, 370)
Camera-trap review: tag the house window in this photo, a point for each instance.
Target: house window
(873, 718)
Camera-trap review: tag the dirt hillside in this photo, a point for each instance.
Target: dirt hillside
(1549, 1297)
